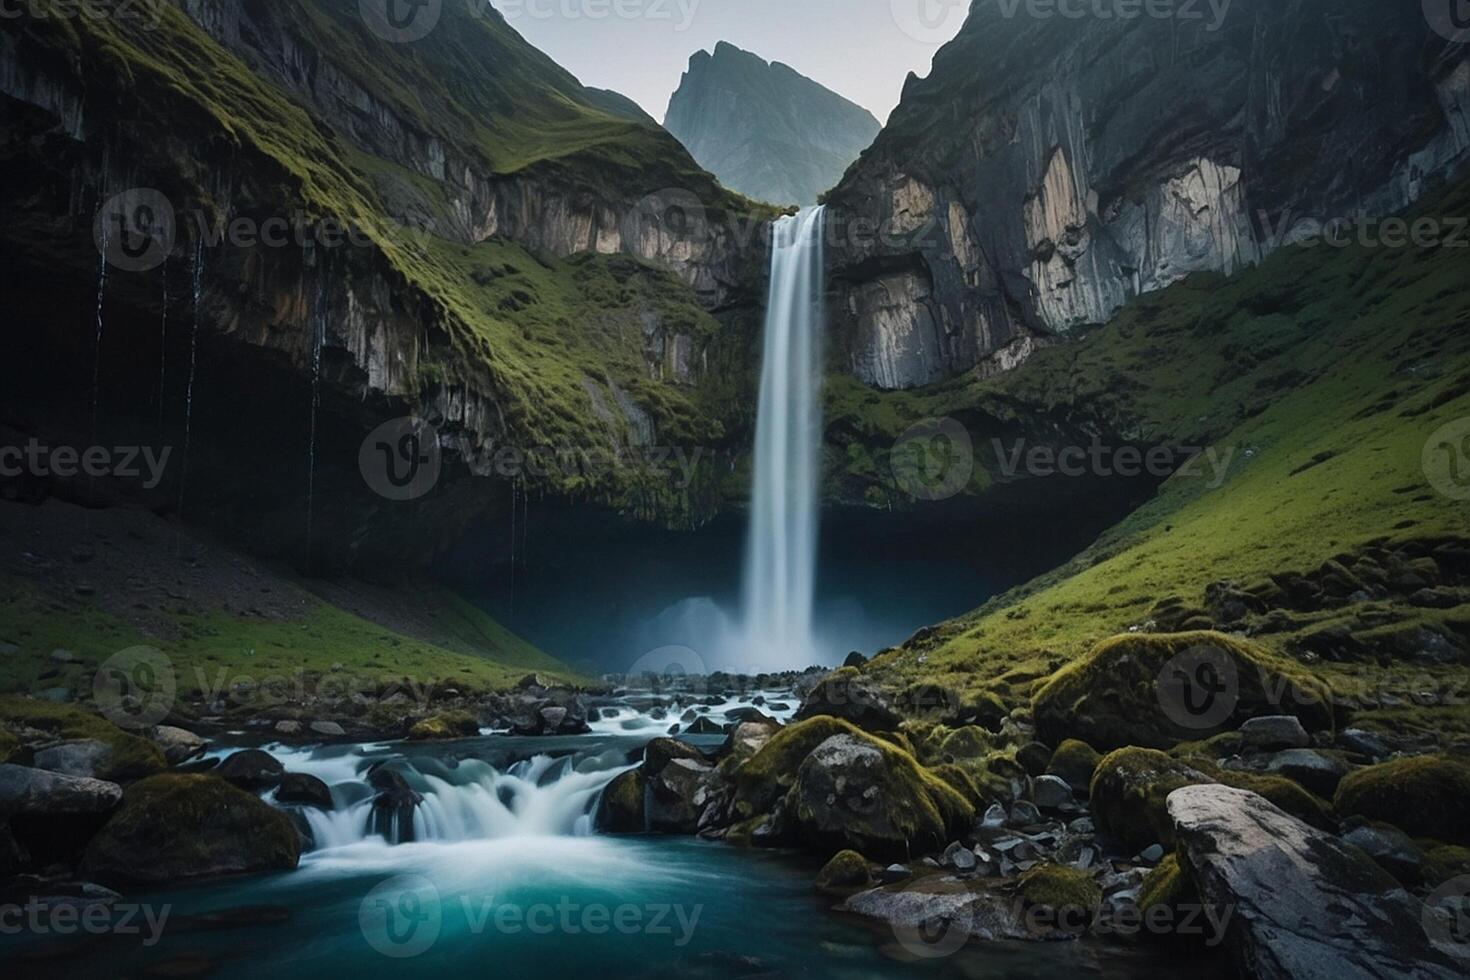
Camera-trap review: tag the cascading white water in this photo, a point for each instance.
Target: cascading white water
(780, 570)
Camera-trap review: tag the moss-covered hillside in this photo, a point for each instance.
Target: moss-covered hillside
(1324, 373)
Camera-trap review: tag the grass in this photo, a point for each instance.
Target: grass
(214, 649)
(1323, 372)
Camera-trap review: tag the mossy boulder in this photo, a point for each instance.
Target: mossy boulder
(1425, 796)
(767, 776)
(128, 756)
(1075, 762)
(847, 694)
(861, 792)
(969, 742)
(11, 749)
(1055, 887)
(445, 726)
(1130, 791)
(1116, 696)
(621, 810)
(1443, 861)
(846, 872)
(175, 827)
(1289, 796)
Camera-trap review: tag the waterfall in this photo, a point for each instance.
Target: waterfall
(318, 338)
(537, 797)
(780, 571)
(193, 364)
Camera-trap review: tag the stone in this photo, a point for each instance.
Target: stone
(80, 757)
(1152, 854)
(1426, 796)
(1074, 762)
(1275, 732)
(1394, 851)
(1034, 758)
(288, 728)
(1306, 905)
(847, 694)
(36, 792)
(175, 827)
(847, 870)
(995, 817)
(1314, 770)
(676, 803)
(942, 912)
(1050, 792)
(301, 789)
(1024, 814)
(252, 769)
(894, 873)
(393, 807)
(327, 729)
(705, 726)
(620, 810)
(177, 744)
(63, 657)
(960, 857)
(1364, 743)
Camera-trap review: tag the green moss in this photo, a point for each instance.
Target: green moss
(1443, 862)
(970, 742)
(175, 827)
(1076, 762)
(445, 726)
(1111, 698)
(1425, 796)
(766, 776)
(965, 783)
(621, 809)
(1055, 887)
(132, 756)
(11, 749)
(1166, 885)
(1130, 793)
(846, 872)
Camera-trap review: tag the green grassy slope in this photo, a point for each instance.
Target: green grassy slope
(1324, 371)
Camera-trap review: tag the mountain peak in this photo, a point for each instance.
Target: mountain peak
(765, 129)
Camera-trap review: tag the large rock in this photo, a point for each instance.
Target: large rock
(1158, 691)
(847, 694)
(252, 769)
(35, 792)
(1428, 796)
(84, 757)
(1305, 906)
(1317, 771)
(177, 744)
(621, 808)
(303, 789)
(445, 726)
(856, 791)
(175, 827)
(393, 807)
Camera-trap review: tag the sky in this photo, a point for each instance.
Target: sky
(861, 49)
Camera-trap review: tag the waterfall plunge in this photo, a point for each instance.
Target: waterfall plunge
(780, 571)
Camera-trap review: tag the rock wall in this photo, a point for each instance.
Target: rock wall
(1048, 170)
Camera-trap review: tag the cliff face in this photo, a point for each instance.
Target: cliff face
(765, 130)
(526, 269)
(1048, 170)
